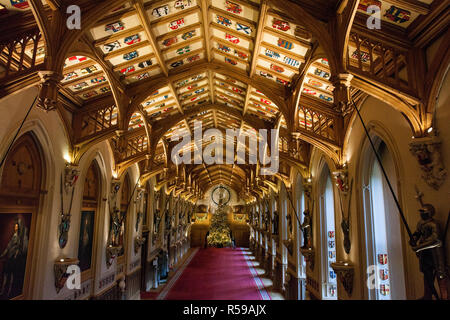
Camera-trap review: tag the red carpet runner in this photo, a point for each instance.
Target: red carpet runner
(216, 274)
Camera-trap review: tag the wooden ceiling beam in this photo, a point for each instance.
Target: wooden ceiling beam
(145, 21)
(205, 18)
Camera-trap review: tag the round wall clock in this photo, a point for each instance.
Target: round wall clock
(221, 192)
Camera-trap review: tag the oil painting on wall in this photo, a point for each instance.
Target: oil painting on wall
(14, 236)
(86, 239)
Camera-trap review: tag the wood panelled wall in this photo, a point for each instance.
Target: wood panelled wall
(241, 233)
(198, 235)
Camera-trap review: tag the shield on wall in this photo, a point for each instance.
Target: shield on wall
(233, 7)
(132, 39)
(20, 4)
(114, 27)
(281, 25)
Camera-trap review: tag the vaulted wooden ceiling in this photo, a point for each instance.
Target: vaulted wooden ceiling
(148, 69)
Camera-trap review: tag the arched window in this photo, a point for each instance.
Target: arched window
(20, 190)
(283, 225)
(300, 207)
(382, 227)
(329, 290)
(87, 222)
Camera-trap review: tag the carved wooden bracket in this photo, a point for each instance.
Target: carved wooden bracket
(345, 272)
(309, 254)
(138, 242)
(111, 254)
(60, 272)
(48, 90)
(341, 82)
(289, 244)
(428, 153)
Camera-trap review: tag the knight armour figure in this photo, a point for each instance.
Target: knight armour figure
(275, 222)
(306, 229)
(427, 244)
(289, 224)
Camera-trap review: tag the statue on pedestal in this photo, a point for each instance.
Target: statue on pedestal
(306, 229)
(289, 225)
(275, 222)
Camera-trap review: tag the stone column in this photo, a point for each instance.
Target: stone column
(252, 245)
(272, 266)
(267, 263)
(155, 274)
(122, 289)
(262, 257)
(295, 288)
(257, 251)
(279, 276)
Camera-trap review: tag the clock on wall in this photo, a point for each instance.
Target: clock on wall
(220, 192)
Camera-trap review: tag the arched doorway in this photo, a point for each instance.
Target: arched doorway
(384, 253)
(328, 234)
(20, 190)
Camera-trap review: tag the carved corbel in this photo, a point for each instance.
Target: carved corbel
(427, 151)
(60, 268)
(289, 244)
(120, 144)
(342, 83)
(294, 145)
(138, 242)
(48, 90)
(309, 254)
(345, 272)
(111, 254)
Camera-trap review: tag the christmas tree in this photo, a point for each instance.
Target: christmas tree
(219, 233)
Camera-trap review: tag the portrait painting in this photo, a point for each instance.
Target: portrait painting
(14, 238)
(85, 241)
(122, 234)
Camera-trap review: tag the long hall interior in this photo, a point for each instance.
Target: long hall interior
(224, 150)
